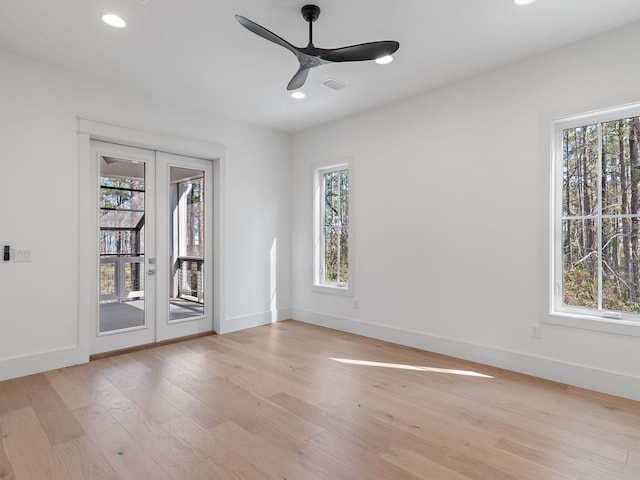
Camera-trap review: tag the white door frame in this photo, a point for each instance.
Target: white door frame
(87, 252)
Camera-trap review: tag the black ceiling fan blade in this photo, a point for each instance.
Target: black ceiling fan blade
(361, 52)
(266, 34)
(299, 78)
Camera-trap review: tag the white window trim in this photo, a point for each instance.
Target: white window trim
(318, 171)
(603, 321)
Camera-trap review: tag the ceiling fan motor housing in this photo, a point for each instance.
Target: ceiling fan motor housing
(310, 12)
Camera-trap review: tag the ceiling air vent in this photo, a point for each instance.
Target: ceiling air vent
(333, 84)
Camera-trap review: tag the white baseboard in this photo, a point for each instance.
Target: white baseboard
(613, 383)
(235, 324)
(42, 362)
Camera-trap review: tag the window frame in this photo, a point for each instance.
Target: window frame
(565, 315)
(318, 284)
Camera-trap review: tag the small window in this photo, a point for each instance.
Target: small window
(596, 231)
(332, 266)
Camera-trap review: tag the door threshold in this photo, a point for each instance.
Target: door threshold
(137, 348)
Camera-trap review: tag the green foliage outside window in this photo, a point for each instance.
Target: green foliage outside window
(601, 216)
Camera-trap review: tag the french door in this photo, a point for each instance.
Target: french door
(154, 246)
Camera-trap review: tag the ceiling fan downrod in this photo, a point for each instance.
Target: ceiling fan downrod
(310, 13)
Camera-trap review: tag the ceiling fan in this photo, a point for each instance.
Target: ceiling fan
(311, 56)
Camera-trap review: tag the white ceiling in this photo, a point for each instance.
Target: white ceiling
(194, 53)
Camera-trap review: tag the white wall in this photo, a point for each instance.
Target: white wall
(451, 216)
(489, 133)
(39, 196)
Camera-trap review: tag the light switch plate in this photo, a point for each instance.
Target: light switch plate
(22, 255)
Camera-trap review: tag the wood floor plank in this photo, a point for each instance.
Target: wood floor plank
(28, 448)
(73, 393)
(452, 431)
(519, 467)
(477, 468)
(123, 453)
(14, 393)
(82, 461)
(262, 455)
(615, 433)
(89, 377)
(190, 362)
(364, 438)
(403, 444)
(250, 411)
(451, 456)
(358, 461)
(264, 379)
(297, 401)
(430, 448)
(307, 455)
(498, 420)
(176, 459)
(573, 462)
(227, 462)
(155, 380)
(6, 470)
(420, 466)
(56, 419)
(130, 364)
(536, 432)
(598, 403)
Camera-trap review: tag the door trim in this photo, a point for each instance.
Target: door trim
(87, 280)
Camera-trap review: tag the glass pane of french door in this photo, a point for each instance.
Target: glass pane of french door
(187, 243)
(122, 217)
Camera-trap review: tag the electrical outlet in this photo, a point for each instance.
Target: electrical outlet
(356, 303)
(534, 330)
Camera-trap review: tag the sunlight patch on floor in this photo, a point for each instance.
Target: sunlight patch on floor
(450, 371)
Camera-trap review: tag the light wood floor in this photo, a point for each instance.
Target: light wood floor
(298, 402)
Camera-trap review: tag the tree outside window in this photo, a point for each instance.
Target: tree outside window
(332, 232)
(600, 218)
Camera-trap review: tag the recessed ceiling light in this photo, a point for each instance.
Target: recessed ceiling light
(522, 3)
(384, 60)
(298, 95)
(113, 20)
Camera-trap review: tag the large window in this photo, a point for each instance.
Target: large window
(597, 215)
(332, 266)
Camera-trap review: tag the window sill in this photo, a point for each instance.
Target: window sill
(594, 323)
(333, 289)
